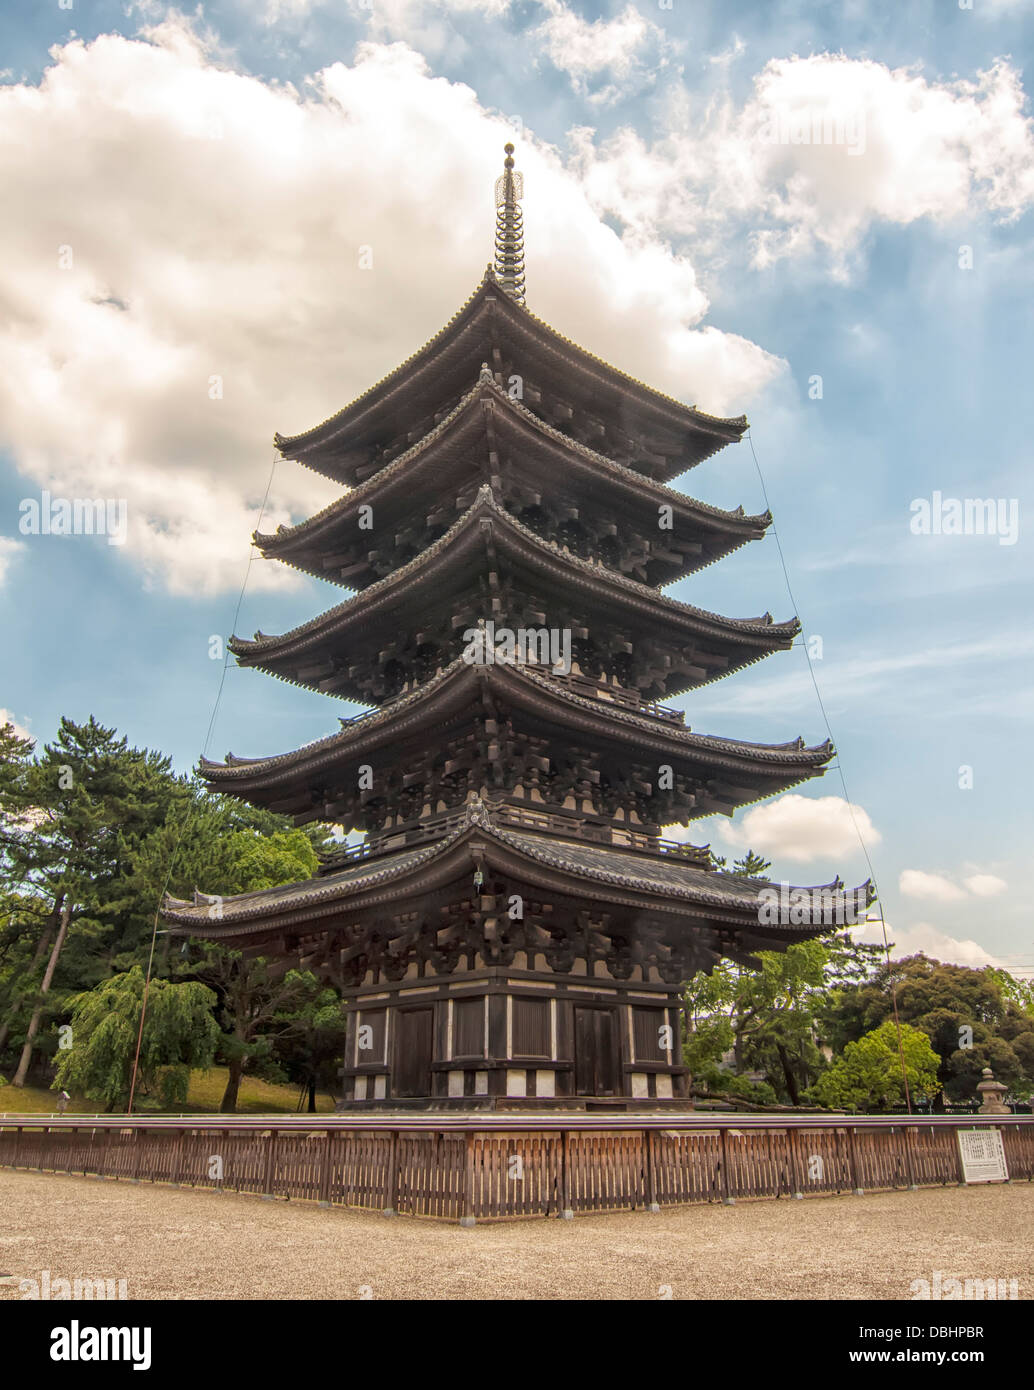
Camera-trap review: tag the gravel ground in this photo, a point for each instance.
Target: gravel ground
(176, 1244)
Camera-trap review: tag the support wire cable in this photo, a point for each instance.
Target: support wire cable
(190, 808)
(843, 779)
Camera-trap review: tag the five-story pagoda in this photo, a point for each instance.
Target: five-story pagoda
(513, 924)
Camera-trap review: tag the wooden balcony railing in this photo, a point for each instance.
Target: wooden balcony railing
(570, 826)
(580, 685)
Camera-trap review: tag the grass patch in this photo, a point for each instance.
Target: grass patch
(206, 1091)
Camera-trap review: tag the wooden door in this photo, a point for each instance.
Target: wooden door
(411, 1073)
(596, 1066)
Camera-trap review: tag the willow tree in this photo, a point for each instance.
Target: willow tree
(179, 1033)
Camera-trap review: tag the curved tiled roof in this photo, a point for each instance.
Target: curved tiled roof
(666, 877)
(322, 751)
(307, 893)
(285, 442)
(690, 414)
(357, 496)
(385, 713)
(486, 501)
(666, 873)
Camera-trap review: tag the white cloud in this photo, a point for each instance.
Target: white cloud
(605, 59)
(985, 885)
(914, 883)
(802, 829)
(925, 937)
(426, 25)
(6, 717)
(8, 550)
(276, 11)
(892, 147)
(728, 55)
(617, 48)
(233, 214)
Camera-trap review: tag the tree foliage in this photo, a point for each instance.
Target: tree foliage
(868, 1076)
(73, 815)
(973, 1019)
(769, 1019)
(179, 1033)
(92, 833)
(262, 1008)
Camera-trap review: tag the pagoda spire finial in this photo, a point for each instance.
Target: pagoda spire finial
(509, 229)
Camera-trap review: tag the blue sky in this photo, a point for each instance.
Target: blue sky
(191, 191)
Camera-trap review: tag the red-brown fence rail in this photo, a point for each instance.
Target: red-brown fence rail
(494, 1167)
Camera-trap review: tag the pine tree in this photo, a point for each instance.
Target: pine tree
(83, 805)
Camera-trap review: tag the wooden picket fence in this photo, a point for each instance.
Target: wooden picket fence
(492, 1167)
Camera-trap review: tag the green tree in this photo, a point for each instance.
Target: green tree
(91, 834)
(772, 1019)
(765, 1016)
(259, 1005)
(868, 1076)
(218, 845)
(24, 936)
(970, 1017)
(81, 805)
(15, 761)
(1018, 992)
(266, 861)
(179, 1033)
(309, 1048)
(752, 865)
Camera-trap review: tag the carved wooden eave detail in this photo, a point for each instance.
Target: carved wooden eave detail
(456, 455)
(681, 898)
(442, 576)
(457, 700)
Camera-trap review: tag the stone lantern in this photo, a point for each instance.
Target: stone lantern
(991, 1093)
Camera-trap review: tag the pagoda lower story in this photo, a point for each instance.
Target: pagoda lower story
(527, 993)
(485, 961)
(501, 1036)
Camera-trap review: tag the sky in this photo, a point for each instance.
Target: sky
(230, 220)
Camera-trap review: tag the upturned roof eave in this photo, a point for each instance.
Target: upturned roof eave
(460, 537)
(290, 445)
(723, 429)
(674, 889)
(738, 525)
(426, 704)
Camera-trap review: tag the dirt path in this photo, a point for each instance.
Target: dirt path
(175, 1244)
